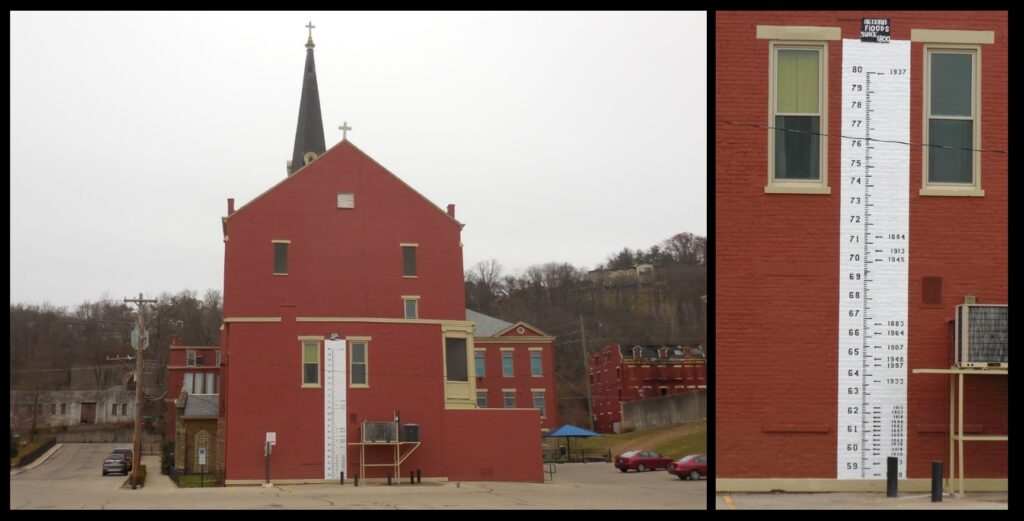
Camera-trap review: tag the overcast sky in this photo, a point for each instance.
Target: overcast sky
(558, 136)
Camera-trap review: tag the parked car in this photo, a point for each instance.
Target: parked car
(115, 463)
(641, 460)
(693, 466)
(127, 454)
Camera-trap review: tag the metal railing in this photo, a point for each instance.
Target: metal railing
(174, 475)
(577, 455)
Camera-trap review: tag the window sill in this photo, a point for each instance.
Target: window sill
(282, 274)
(810, 190)
(359, 386)
(310, 386)
(409, 276)
(952, 192)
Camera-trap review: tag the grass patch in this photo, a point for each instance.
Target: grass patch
(31, 446)
(674, 441)
(193, 480)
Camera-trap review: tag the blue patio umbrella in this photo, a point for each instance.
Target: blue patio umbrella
(568, 432)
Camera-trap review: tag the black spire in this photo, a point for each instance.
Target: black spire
(309, 135)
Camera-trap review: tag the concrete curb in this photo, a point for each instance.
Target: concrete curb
(39, 461)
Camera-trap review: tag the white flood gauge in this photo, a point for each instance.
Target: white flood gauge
(335, 409)
(873, 258)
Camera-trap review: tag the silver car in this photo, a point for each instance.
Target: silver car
(115, 463)
(127, 453)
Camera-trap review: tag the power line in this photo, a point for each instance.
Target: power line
(769, 127)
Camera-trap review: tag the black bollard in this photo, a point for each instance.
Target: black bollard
(412, 477)
(890, 478)
(418, 476)
(936, 481)
(357, 480)
(389, 479)
(342, 481)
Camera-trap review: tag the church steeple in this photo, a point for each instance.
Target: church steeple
(309, 135)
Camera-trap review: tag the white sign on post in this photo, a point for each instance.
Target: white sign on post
(202, 456)
(272, 438)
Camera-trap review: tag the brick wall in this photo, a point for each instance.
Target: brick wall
(777, 265)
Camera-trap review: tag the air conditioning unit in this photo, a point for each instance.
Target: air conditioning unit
(380, 432)
(982, 338)
(411, 432)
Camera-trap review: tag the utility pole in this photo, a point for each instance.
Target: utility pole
(586, 373)
(142, 342)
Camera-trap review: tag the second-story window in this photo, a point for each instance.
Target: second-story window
(412, 310)
(506, 364)
(951, 90)
(455, 360)
(535, 364)
(311, 364)
(359, 364)
(190, 359)
(797, 151)
(478, 360)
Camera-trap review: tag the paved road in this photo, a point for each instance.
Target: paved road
(859, 501)
(72, 480)
(73, 466)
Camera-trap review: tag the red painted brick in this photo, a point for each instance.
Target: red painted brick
(776, 333)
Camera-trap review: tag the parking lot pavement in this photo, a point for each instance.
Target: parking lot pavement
(576, 485)
(861, 501)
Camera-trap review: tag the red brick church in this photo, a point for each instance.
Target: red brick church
(861, 210)
(345, 339)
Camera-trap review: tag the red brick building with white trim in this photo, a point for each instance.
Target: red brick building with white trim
(626, 373)
(515, 367)
(342, 258)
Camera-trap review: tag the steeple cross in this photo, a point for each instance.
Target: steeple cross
(310, 26)
(344, 128)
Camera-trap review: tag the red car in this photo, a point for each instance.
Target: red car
(693, 466)
(641, 460)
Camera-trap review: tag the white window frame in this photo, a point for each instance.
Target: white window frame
(512, 362)
(415, 299)
(190, 358)
(504, 398)
(799, 186)
(482, 353)
(365, 341)
(972, 189)
(538, 352)
(481, 393)
(543, 397)
(302, 362)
